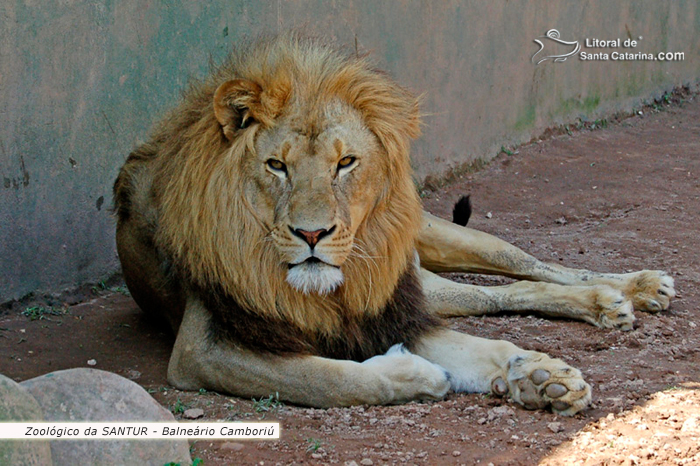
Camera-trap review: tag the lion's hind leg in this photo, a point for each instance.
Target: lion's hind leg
(599, 305)
(532, 379)
(446, 247)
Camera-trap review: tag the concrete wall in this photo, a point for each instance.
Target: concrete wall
(81, 81)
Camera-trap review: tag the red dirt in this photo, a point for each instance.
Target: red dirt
(616, 199)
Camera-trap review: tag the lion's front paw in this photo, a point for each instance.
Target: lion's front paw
(537, 381)
(650, 290)
(409, 377)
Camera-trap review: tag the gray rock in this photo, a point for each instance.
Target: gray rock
(16, 404)
(193, 413)
(232, 446)
(93, 395)
(555, 427)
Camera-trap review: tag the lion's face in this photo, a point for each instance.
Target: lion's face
(315, 177)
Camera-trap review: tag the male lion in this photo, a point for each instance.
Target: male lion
(272, 221)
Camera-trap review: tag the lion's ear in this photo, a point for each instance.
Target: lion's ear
(235, 104)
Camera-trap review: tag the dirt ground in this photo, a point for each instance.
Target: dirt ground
(617, 197)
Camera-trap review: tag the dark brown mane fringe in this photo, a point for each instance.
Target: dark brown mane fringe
(403, 320)
(123, 188)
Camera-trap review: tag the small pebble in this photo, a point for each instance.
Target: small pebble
(232, 446)
(193, 413)
(555, 427)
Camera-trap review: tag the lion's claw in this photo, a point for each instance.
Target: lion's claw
(537, 381)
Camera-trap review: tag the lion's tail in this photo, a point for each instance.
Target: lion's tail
(462, 211)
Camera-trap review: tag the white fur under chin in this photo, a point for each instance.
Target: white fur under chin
(315, 278)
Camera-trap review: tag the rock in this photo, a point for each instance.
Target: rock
(366, 462)
(501, 411)
(555, 427)
(17, 404)
(132, 374)
(691, 424)
(193, 413)
(93, 395)
(233, 446)
(456, 453)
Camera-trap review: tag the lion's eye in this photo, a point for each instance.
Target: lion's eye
(277, 165)
(345, 162)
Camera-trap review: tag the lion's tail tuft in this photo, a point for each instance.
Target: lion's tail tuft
(462, 211)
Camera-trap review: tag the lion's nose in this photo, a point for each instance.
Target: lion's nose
(312, 237)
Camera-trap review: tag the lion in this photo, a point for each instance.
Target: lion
(273, 222)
